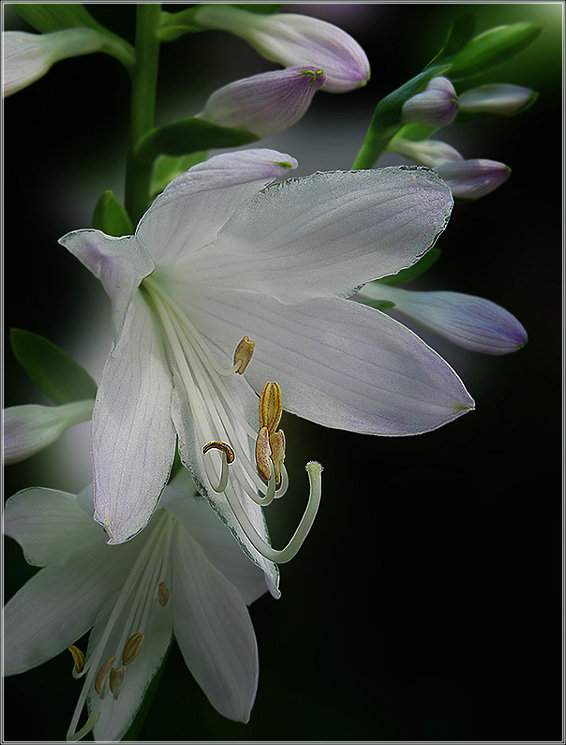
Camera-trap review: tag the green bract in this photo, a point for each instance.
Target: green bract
(168, 167)
(412, 272)
(110, 217)
(53, 371)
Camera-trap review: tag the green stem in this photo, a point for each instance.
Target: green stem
(144, 85)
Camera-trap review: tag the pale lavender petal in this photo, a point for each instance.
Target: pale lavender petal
(472, 179)
(133, 438)
(325, 234)
(31, 428)
(339, 363)
(291, 39)
(214, 630)
(265, 104)
(436, 106)
(496, 98)
(193, 207)
(119, 263)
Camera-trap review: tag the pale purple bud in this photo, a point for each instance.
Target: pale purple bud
(472, 179)
(291, 39)
(430, 153)
(436, 106)
(496, 98)
(27, 57)
(267, 103)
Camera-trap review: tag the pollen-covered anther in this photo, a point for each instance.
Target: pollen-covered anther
(243, 354)
(277, 444)
(115, 680)
(78, 658)
(102, 675)
(163, 594)
(263, 453)
(132, 648)
(222, 446)
(270, 406)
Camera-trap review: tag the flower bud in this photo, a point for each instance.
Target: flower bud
(496, 98)
(291, 39)
(267, 103)
(430, 153)
(436, 106)
(472, 179)
(27, 57)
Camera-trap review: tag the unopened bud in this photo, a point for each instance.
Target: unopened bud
(436, 106)
(472, 179)
(497, 99)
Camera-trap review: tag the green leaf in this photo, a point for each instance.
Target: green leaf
(189, 136)
(166, 168)
(380, 304)
(53, 371)
(459, 34)
(386, 121)
(52, 17)
(412, 272)
(110, 217)
(491, 48)
(416, 132)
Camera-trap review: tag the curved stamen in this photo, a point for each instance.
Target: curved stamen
(314, 471)
(284, 483)
(90, 722)
(228, 456)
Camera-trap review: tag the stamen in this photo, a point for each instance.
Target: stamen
(314, 472)
(284, 483)
(116, 678)
(263, 453)
(243, 354)
(90, 722)
(270, 406)
(103, 674)
(163, 594)
(226, 449)
(132, 648)
(277, 442)
(227, 457)
(78, 659)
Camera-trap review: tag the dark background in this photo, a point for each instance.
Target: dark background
(426, 602)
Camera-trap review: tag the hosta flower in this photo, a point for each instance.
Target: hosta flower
(436, 106)
(291, 39)
(496, 98)
(228, 290)
(31, 428)
(28, 57)
(183, 575)
(267, 103)
(471, 322)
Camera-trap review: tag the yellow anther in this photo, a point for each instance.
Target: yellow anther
(116, 678)
(243, 354)
(103, 674)
(270, 406)
(263, 453)
(277, 444)
(226, 449)
(78, 658)
(163, 594)
(132, 648)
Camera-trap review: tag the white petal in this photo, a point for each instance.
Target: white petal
(28, 57)
(328, 233)
(219, 546)
(31, 428)
(49, 525)
(58, 605)
(339, 363)
(213, 629)
(119, 263)
(133, 439)
(193, 208)
(472, 322)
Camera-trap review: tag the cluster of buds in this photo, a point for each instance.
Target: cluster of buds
(437, 106)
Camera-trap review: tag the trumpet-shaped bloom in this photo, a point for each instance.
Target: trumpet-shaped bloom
(471, 322)
(31, 428)
(267, 103)
(27, 57)
(254, 279)
(436, 106)
(184, 575)
(291, 39)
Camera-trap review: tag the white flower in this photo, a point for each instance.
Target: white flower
(31, 428)
(231, 261)
(291, 39)
(28, 57)
(184, 575)
(267, 103)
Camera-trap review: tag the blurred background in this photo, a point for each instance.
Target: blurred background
(426, 602)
